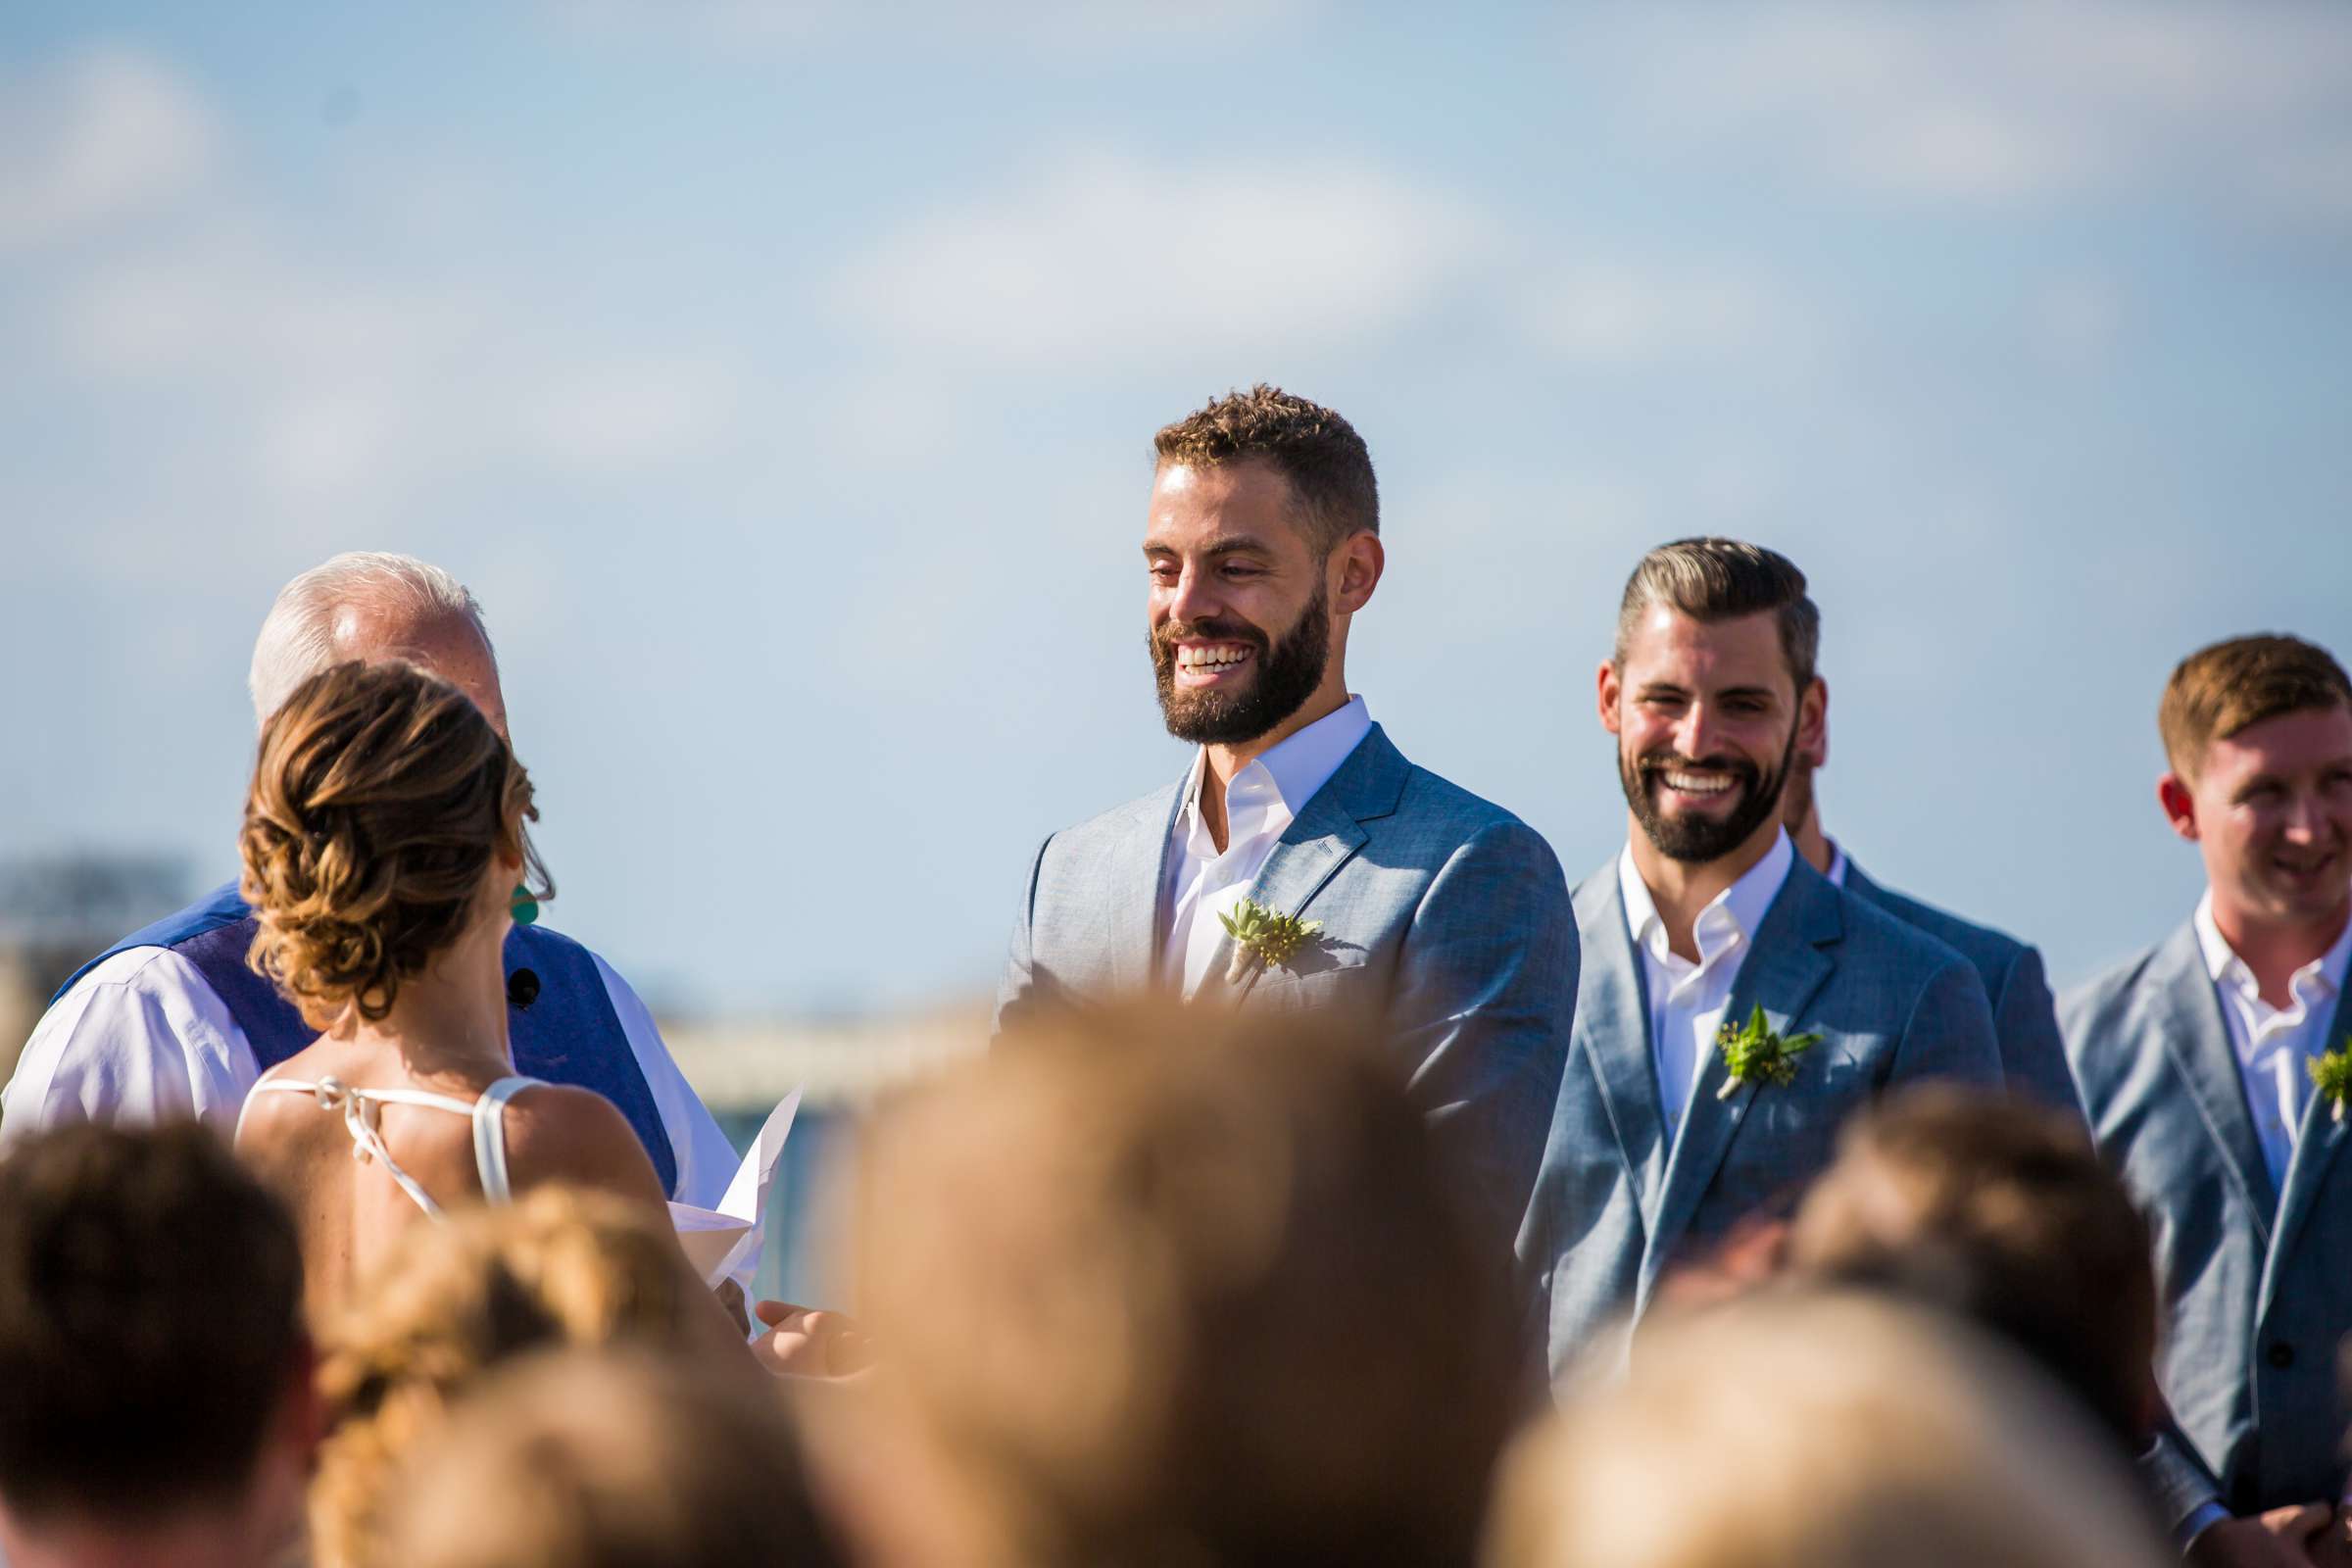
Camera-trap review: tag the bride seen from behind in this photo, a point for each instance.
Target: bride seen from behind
(383, 849)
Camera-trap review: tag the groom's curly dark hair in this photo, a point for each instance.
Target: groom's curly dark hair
(1327, 464)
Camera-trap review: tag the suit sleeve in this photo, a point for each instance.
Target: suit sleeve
(1020, 992)
(2185, 1493)
(1950, 1031)
(2032, 1053)
(1484, 999)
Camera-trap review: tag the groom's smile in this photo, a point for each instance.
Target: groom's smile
(1212, 663)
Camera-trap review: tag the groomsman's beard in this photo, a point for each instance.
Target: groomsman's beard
(1287, 673)
(1689, 837)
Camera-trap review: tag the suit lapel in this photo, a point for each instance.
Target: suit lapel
(1783, 970)
(1138, 879)
(2197, 1040)
(1612, 1030)
(1325, 834)
(2316, 1146)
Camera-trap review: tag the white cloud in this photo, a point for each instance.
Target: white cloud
(1616, 311)
(346, 383)
(1075, 30)
(1100, 259)
(2004, 102)
(103, 135)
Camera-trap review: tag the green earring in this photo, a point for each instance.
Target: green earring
(525, 909)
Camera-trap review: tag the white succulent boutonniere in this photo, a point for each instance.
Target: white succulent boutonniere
(1261, 936)
(1754, 1054)
(2331, 1075)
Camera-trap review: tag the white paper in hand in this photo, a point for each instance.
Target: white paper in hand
(719, 1241)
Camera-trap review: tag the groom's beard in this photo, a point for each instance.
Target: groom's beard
(1287, 673)
(1689, 837)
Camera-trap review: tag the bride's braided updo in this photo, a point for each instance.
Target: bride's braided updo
(379, 797)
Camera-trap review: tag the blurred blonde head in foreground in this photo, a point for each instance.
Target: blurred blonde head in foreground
(1819, 1431)
(456, 1299)
(1171, 1286)
(611, 1459)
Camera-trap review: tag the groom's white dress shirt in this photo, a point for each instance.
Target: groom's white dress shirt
(1262, 802)
(2275, 1046)
(1686, 1000)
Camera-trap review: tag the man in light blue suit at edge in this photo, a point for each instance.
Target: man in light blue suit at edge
(2195, 1063)
(1440, 914)
(1658, 1151)
(2024, 1015)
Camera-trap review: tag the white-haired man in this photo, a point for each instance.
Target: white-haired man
(170, 1022)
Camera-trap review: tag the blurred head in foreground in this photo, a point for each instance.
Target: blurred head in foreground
(454, 1301)
(2001, 1213)
(1172, 1287)
(1801, 1431)
(155, 1380)
(605, 1460)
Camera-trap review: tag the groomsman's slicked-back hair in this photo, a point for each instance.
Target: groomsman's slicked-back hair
(1328, 465)
(2232, 685)
(1722, 579)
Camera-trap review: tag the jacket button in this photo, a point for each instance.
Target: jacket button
(522, 988)
(2283, 1355)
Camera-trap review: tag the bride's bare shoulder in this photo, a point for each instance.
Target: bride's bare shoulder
(560, 1133)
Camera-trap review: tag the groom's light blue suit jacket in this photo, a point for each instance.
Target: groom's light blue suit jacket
(2256, 1277)
(1617, 1203)
(1442, 914)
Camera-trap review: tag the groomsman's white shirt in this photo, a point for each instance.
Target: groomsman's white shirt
(1262, 802)
(2274, 1044)
(143, 1039)
(1686, 1001)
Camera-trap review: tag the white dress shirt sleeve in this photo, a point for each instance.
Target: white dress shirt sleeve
(139, 1039)
(706, 1160)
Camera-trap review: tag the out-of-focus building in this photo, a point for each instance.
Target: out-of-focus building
(57, 911)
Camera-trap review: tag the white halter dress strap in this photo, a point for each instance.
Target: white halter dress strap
(361, 1110)
(490, 1136)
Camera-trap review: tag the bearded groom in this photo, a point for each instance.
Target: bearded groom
(1440, 916)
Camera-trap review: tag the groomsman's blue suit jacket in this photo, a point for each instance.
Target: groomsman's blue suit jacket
(1442, 913)
(1616, 1204)
(2025, 1017)
(2256, 1282)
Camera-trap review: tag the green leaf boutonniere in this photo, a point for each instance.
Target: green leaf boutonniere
(1754, 1054)
(2331, 1075)
(1261, 936)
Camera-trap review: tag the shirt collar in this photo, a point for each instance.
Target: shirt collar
(1292, 770)
(1301, 763)
(1739, 908)
(1838, 867)
(2224, 966)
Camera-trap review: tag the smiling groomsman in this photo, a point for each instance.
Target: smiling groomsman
(2195, 1061)
(1666, 1138)
(1436, 913)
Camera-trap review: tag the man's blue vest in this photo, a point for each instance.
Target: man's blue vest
(559, 1020)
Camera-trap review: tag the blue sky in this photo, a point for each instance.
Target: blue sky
(782, 376)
